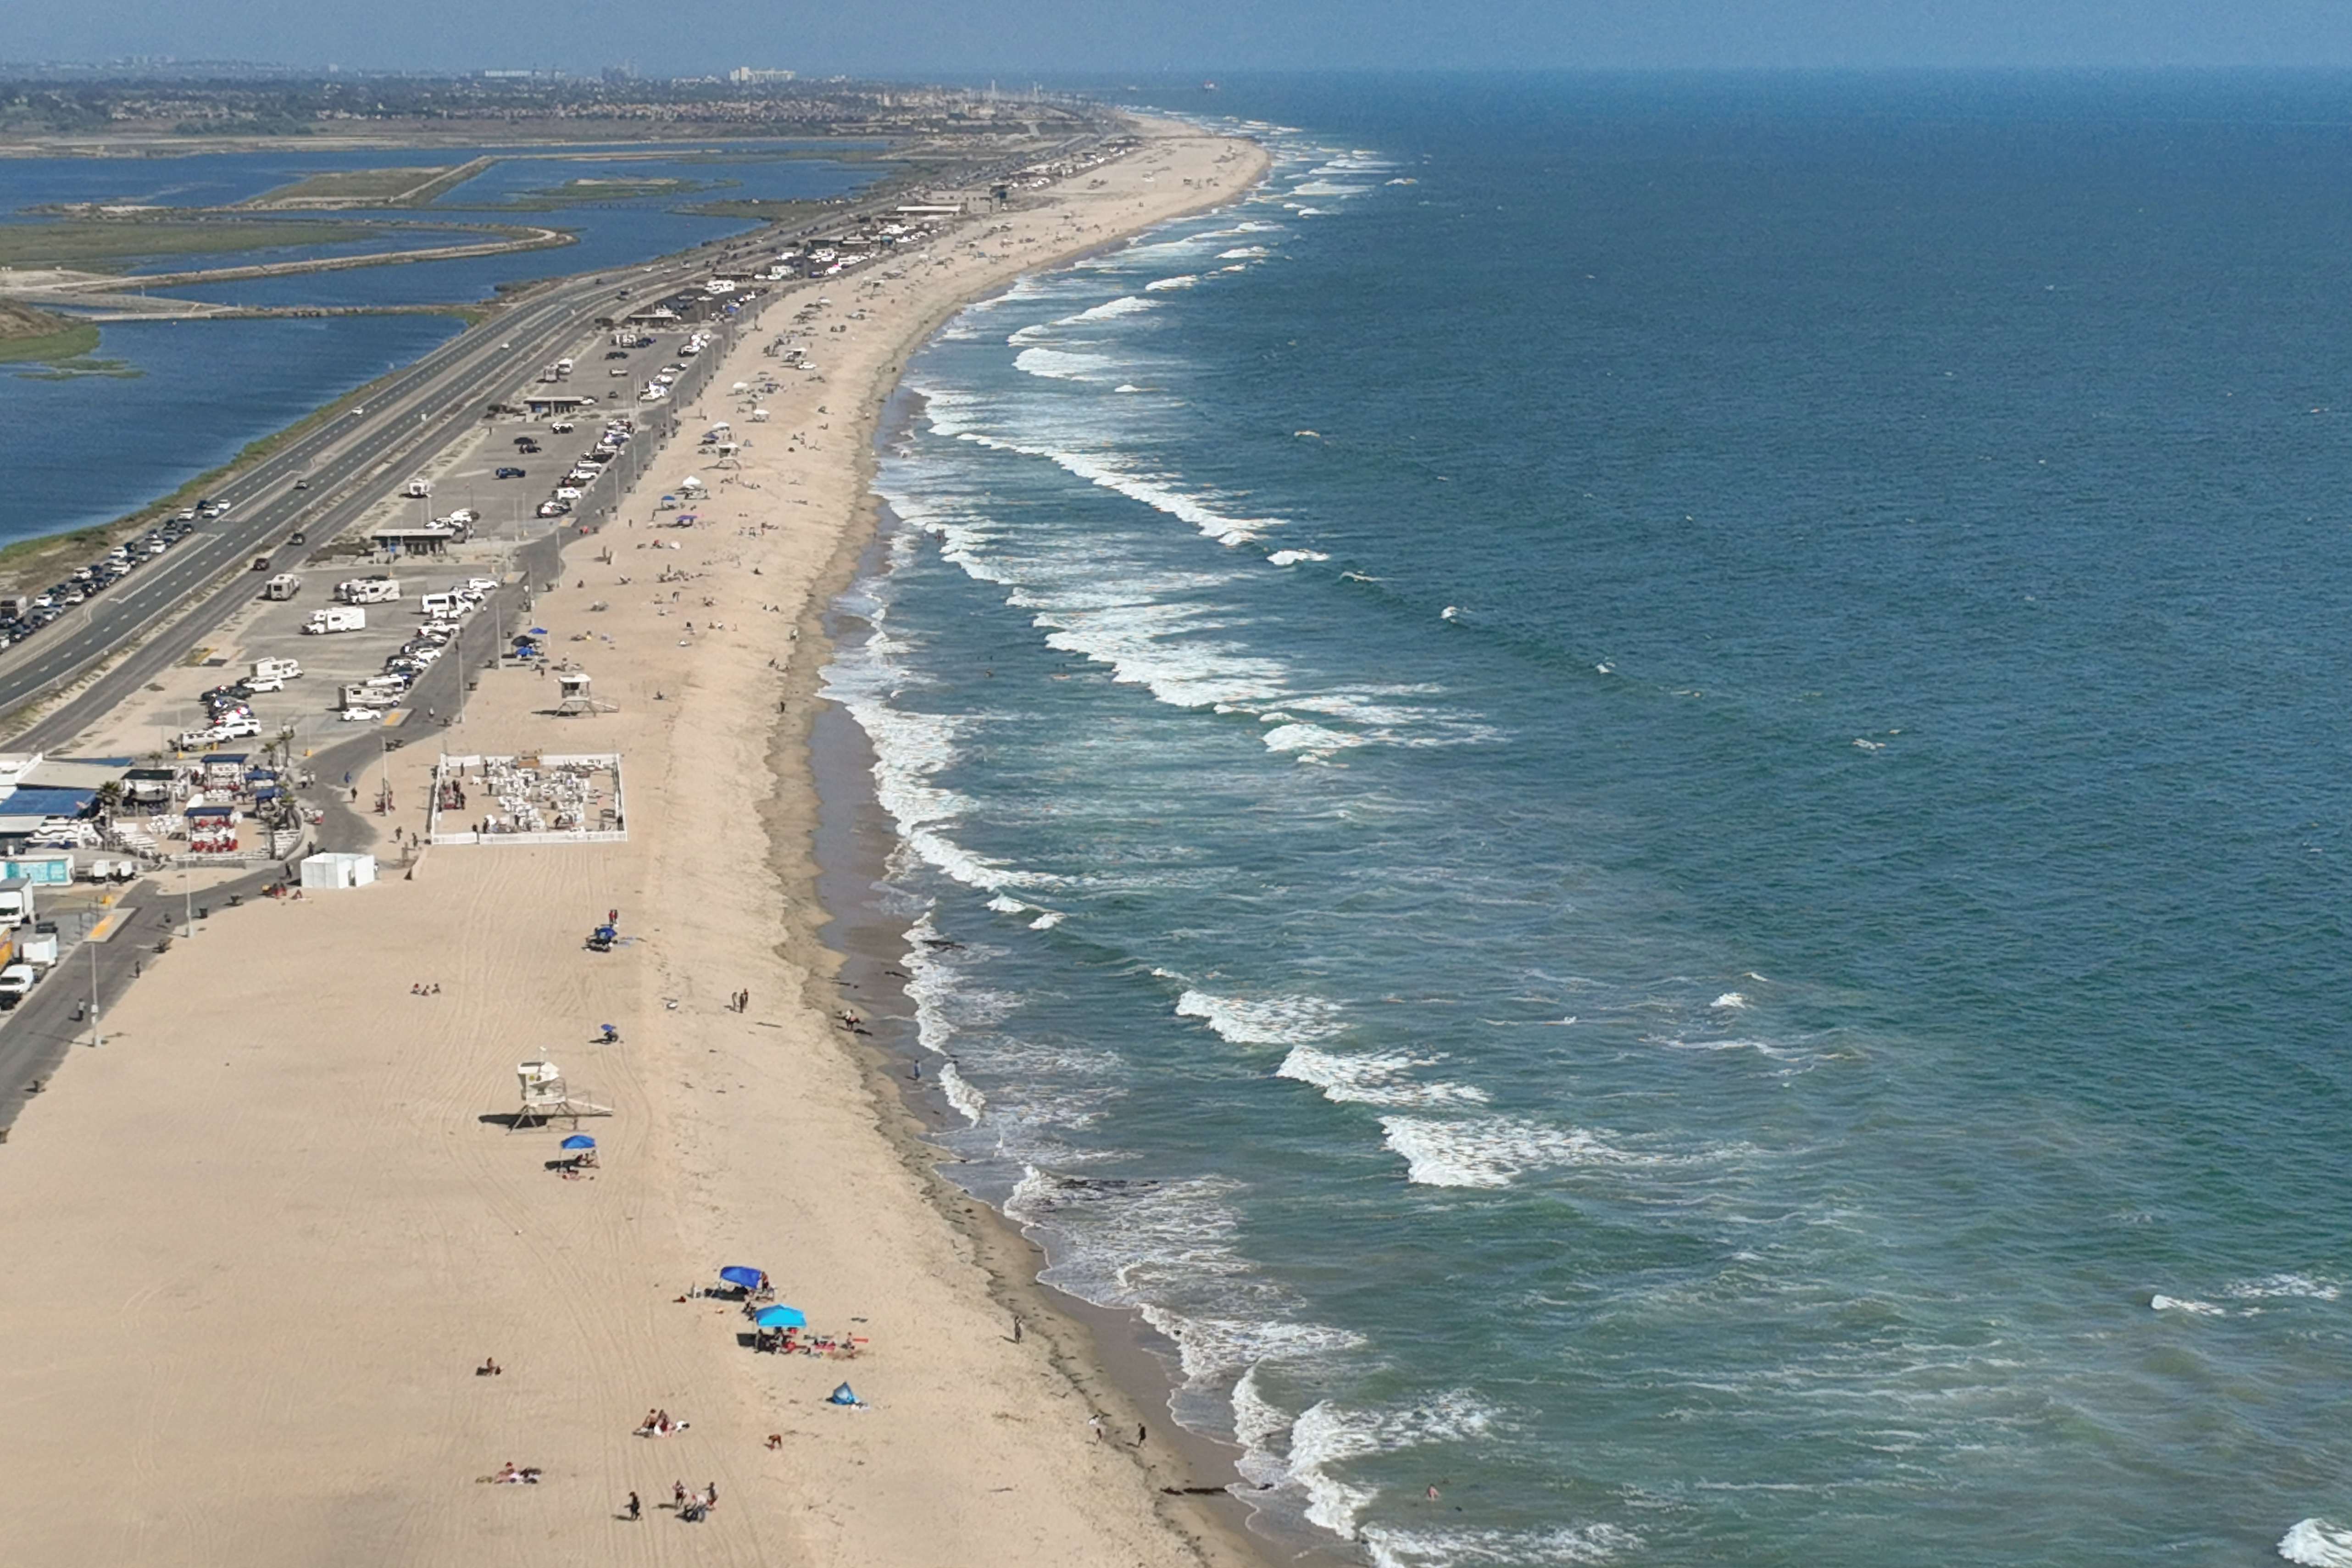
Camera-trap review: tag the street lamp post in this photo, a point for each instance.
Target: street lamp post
(96, 1035)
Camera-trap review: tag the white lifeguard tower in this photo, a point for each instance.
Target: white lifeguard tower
(545, 1097)
(575, 695)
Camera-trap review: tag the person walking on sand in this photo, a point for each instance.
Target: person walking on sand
(636, 1508)
(1139, 1434)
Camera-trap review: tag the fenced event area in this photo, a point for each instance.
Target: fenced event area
(529, 798)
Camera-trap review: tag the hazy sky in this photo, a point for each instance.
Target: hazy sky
(914, 38)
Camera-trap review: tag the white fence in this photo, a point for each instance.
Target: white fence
(562, 782)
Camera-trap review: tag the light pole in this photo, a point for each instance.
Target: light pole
(97, 1036)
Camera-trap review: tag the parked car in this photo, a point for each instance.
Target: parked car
(512, 473)
(360, 715)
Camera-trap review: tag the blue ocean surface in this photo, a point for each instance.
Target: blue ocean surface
(186, 396)
(1634, 796)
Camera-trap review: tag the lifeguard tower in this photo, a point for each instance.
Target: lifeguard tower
(546, 1096)
(576, 694)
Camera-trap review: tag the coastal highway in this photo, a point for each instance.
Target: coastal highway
(350, 461)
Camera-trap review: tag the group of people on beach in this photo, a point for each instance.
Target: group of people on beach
(658, 1424)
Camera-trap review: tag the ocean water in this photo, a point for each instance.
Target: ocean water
(1635, 797)
(181, 397)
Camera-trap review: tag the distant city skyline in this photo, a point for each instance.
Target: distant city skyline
(959, 38)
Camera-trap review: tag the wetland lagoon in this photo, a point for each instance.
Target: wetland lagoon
(95, 424)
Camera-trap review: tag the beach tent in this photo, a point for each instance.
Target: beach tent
(336, 870)
(740, 1274)
(842, 1396)
(781, 1317)
(578, 1140)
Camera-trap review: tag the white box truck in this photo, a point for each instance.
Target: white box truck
(16, 901)
(341, 618)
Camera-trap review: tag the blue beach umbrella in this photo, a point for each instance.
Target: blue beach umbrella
(579, 1140)
(738, 1274)
(781, 1317)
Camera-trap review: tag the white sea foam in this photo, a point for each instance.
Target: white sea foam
(1139, 644)
(1258, 1424)
(968, 1100)
(1490, 1151)
(2162, 1303)
(1213, 1350)
(1153, 490)
(1244, 253)
(1003, 904)
(1729, 999)
(1327, 1435)
(1264, 1020)
(1048, 920)
(1131, 1242)
(1375, 1077)
(1125, 305)
(1565, 1548)
(1326, 188)
(2318, 1543)
(1293, 557)
(1060, 364)
(1312, 743)
(2277, 1285)
(1185, 282)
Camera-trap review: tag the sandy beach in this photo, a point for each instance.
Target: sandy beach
(261, 1240)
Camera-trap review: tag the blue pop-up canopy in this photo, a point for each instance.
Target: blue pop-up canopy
(579, 1140)
(781, 1317)
(739, 1274)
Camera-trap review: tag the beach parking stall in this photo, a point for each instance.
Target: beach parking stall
(330, 869)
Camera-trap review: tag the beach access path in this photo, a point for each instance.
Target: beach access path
(260, 1240)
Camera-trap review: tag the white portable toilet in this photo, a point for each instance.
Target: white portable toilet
(330, 869)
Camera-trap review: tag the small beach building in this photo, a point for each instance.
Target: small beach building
(332, 869)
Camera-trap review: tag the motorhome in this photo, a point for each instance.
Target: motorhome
(340, 618)
(285, 585)
(277, 669)
(376, 691)
(441, 606)
(369, 591)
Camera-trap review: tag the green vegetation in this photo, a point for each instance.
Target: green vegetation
(74, 368)
(27, 335)
(109, 244)
(589, 192)
(372, 187)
